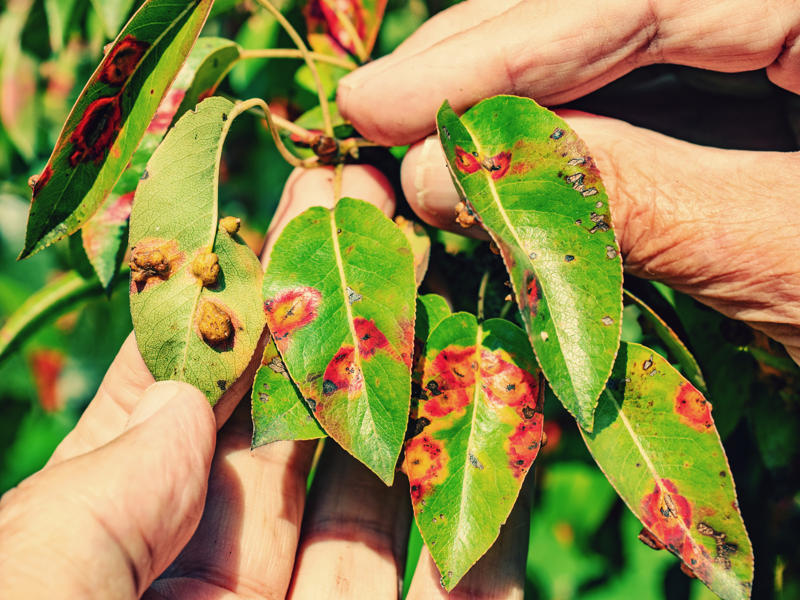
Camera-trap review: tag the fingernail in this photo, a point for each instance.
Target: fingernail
(428, 157)
(153, 400)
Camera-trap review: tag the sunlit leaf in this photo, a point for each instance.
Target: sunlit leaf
(104, 235)
(278, 410)
(110, 116)
(195, 299)
(420, 245)
(344, 28)
(655, 440)
(676, 347)
(339, 297)
(473, 437)
(535, 189)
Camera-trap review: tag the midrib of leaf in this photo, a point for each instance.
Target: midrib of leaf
(475, 395)
(122, 89)
(513, 230)
(350, 323)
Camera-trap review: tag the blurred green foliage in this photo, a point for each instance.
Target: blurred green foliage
(583, 540)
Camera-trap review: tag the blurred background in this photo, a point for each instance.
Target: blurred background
(583, 541)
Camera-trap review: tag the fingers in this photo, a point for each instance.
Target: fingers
(354, 533)
(498, 575)
(716, 224)
(104, 524)
(555, 51)
(247, 538)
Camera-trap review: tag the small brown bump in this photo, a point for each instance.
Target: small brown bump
(230, 224)
(148, 262)
(205, 267)
(464, 216)
(214, 324)
(493, 247)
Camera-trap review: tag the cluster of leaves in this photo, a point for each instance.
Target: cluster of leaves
(353, 351)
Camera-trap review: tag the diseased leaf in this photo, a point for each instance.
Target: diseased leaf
(420, 245)
(676, 348)
(347, 28)
(278, 410)
(339, 297)
(110, 116)
(473, 437)
(104, 235)
(536, 190)
(655, 440)
(195, 298)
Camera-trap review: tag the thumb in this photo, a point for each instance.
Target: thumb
(716, 224)
(107, 523)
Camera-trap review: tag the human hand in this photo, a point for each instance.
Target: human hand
(144, 497)
(716, 224)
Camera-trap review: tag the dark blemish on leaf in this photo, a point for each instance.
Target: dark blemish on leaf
(446, 131)
(263, 397)
(121, 62)
(569, 258)
(598, 204)
(291, 310)
(145, 174)
(497, 165)
(647, 364)
(454, 370)
(607, 321)
(214, 324)
(339, 230)
(533, 293)
(96, 130)
(416, 426)
(590, 192)
(722, 474)
(473, 460)
(578, 222)
(575, 162)
(38, 182)
(352, 296)
(328, 387)
(576, 179)
(611, 252)
(693, 409)
(433, 388)
(370, 338)
(276, 365)
(222, 384)
(532, 255)
(465, 162)
(224, 116)
(638, 464)
(528, 412)
(648, 539)
(557, 134)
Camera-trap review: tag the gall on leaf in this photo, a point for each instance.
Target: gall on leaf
(205, 267)
(214, 324)
(152, 262)
(121, 61)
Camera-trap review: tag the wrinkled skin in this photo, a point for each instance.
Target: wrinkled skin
(104, 518)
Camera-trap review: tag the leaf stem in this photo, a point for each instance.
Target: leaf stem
(293, 160)
(293, 53)
(338, 172)
(301, 46)
(482, 294)
(348, 26)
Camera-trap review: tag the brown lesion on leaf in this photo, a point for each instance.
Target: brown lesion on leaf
(121, 62)
(152, 262)
(96, 130)
(205, 267)
(693, 409)
(214, 325)
(426, 465)
(724, 548)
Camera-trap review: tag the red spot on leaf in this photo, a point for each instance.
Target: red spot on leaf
(291, 310)
(505, 383)
(466, 162)
(497, 165)
(370, 338)
(343, 374)
(426, 462)
(96, 130)
(122, 60)
(524, 443)
(409, 344)
(454, 374)
(42, 180)
(46, 366)
(166, 111)
(97, 230)
(693, 410)
(533, 293)
(321, 15)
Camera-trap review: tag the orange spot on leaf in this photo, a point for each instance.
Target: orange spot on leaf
(497, 165)
(342, 375)
(505, 383)
(693, 410)
(426, 462)
(466, 162)
(370, 338)
(291, 310)
(454, 373)
(46, 366)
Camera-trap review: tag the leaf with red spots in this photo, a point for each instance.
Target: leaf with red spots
(339, 296)
(675, 346)
(344, 27)
(534, 187)
(655, 440)
(105, 233)
(195, 287)
(110, 117)
(278, 409)
(474, 435)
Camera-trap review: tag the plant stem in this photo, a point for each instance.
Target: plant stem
(301, 46)
(246, 105)
(482, 294)
(293, 53)
(337, 182)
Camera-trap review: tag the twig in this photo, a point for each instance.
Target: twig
(292, 53)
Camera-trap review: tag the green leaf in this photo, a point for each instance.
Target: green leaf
(104, 235)
(112, 13)
(278, 410)
(676, 348)
(191, 323)
(109, 118)
(531, 182)
(58, 14)
(56, 298)
(420, 245)
(655, 440)
(339, 296)
(19, 110)
(473, 438)
(347, 28)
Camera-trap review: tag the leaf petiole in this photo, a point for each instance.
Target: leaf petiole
(293, 53)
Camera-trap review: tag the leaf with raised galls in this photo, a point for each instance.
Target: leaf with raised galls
(473, 437)
(110, 117)
(534, 187)
(655, 440)
(339, 296)
(195, 299)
